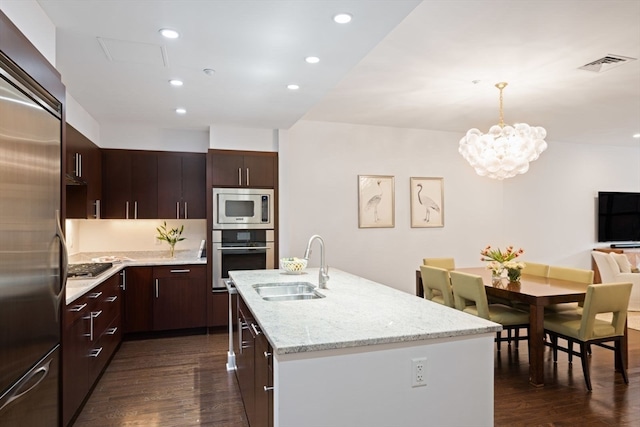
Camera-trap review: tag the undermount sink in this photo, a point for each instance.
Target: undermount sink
(288, 291)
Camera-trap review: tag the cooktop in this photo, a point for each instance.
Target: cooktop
(92, 269)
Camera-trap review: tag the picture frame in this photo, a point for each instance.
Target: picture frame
(376, 201)
(427, 202)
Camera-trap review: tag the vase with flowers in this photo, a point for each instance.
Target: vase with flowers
(171, 236)
(501, 261)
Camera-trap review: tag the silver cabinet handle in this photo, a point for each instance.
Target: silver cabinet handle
(156, 288)
(177, 210)
(255, 330)
(267, 354)
(95, 352)
(77, 308)
(247, 177)
(80, 164)
(96, 314)
(124, 280)
(186, 214)
(111, 331)
(268, 388)
(97, 205)
(126, 210)
(239, 176)
(111, 299)
(135, 210)
(95, 295)
(186, 270)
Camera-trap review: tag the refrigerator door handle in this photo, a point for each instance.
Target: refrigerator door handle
(64, 258)
(43, 371)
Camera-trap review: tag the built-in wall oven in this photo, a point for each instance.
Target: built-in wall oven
(247, 249)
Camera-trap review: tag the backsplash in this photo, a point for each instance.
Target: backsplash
(108, 235)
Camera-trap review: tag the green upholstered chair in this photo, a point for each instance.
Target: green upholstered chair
(470, 296)
(437, 279)
(446, 263)
(573, 274)
(585, 329)
(535, 269)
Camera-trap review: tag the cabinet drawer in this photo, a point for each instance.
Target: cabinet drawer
(187, 271)
(76, 310)
(102, 350)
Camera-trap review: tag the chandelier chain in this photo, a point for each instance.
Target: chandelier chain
(501, 86)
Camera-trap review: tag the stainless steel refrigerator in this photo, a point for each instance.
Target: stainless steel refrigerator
(32, 253)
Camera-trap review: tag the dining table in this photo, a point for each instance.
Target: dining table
(536, 293)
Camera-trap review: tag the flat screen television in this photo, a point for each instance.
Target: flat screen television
(618, 217)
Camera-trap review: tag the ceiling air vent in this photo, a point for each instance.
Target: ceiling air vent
(606, 63)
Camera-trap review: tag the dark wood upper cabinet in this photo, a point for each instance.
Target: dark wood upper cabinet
(181, 185)
(83, 175)
(243, 169)
(129, 184)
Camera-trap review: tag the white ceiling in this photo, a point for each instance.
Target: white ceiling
(398, 63)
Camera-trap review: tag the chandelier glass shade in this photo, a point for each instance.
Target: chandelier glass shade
(505, 151)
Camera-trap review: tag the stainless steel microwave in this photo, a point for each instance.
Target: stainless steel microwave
(237, 208)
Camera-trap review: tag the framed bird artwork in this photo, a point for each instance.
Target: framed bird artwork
(376, 201)
(427, 202)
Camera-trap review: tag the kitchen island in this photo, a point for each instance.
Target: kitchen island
(348, 359)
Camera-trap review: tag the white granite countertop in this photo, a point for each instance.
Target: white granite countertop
(355, 312)
(78, 287)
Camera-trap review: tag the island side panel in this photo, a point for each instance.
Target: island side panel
(371, 386)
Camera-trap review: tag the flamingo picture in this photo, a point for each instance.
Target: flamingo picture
(374, 202)
(428, 203)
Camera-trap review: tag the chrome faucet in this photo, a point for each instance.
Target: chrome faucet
(323, 274)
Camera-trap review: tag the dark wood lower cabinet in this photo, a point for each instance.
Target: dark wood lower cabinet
(254, 369)
(92, 332)
(180, 295)
(138, 299)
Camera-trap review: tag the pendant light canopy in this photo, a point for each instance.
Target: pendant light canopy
(505, 151)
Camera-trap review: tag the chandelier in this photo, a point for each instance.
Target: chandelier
(505, 151)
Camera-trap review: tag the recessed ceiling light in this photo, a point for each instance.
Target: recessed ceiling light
(209, 71)
(312, 59)
(636, 135)
(342, 18)
(175, 82)
(181, 111)
(293, 87)
(169, 33)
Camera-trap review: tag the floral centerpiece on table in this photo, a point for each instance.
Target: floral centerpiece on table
(171, 236)
(503, 260)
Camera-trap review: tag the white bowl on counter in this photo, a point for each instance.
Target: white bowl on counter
(293, 265)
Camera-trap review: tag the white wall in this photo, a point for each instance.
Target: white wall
(235, 138)
(29, 17)
(553, 206)
(549, 211)
(144, 137)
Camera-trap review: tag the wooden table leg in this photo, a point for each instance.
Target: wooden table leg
(623, 345)
(536, 345)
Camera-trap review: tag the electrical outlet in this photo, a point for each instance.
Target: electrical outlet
(419, 372)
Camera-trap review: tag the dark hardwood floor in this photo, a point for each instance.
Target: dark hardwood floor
(182, 381)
